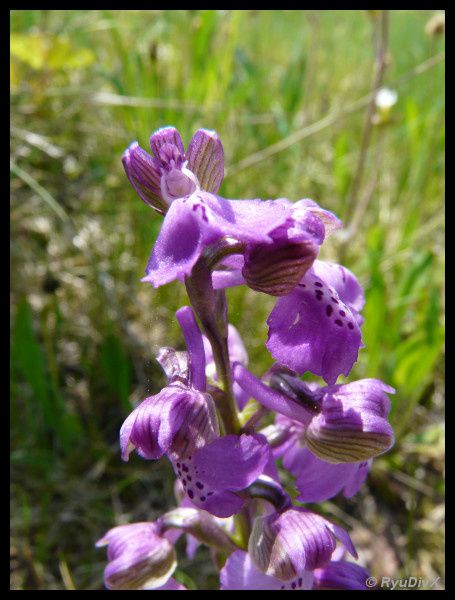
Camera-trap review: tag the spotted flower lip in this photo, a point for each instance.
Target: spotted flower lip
(212, 475)
(170, 173)
(316, 327)
(285, 545)
(139, 557)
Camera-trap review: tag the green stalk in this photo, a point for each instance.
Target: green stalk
(211, 310)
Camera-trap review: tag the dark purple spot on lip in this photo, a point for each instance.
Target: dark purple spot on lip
(178, 465)
(188, 477)
(319, 294)
(190, 493)
(339, 323)
(202, 498)
(302, 285)
(328, 310)
(210, 494)
(293, 585)
(300, 582)
(334, 300)
(179, 472)
(199, 485)
(351, 326)
(184, 481)
(342, 313)
(185, 468)
(318, 283)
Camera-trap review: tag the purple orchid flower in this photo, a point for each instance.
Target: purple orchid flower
(140, 557)
(285, 551)
(198, 221)
(344, 423)
(170, 173)
(286, 544)
(181, 422)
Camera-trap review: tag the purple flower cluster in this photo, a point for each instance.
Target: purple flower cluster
(225, 430)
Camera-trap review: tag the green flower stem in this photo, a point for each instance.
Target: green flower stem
(211, 309)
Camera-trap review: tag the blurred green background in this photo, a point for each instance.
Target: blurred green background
(84, 330)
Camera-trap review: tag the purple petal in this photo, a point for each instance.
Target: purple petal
(187, 423)
(228, 273)
(331, 222)
(318, 480)
(195, 346)
(177, 420)
(218, 502)
(211, 475)
(283, 545)
(192, 544)
(225, 279)
(345, 283)
(166, 135)
(240, 573)
(353, 425)
(341, 575)
(233, 462)
(240, 395)
(193, 223)
(353, 485)
(140, 429)
(143, 173)
(172, 584)
(269, 398)
(206, 159)
(311, 329)
(303, 225)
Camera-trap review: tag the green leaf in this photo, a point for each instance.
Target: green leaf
(28, 358)
(116, 369)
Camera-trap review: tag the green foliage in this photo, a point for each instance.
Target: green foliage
(115, 367)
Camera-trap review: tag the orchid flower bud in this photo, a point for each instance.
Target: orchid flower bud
(139, 557)
(200, 525)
